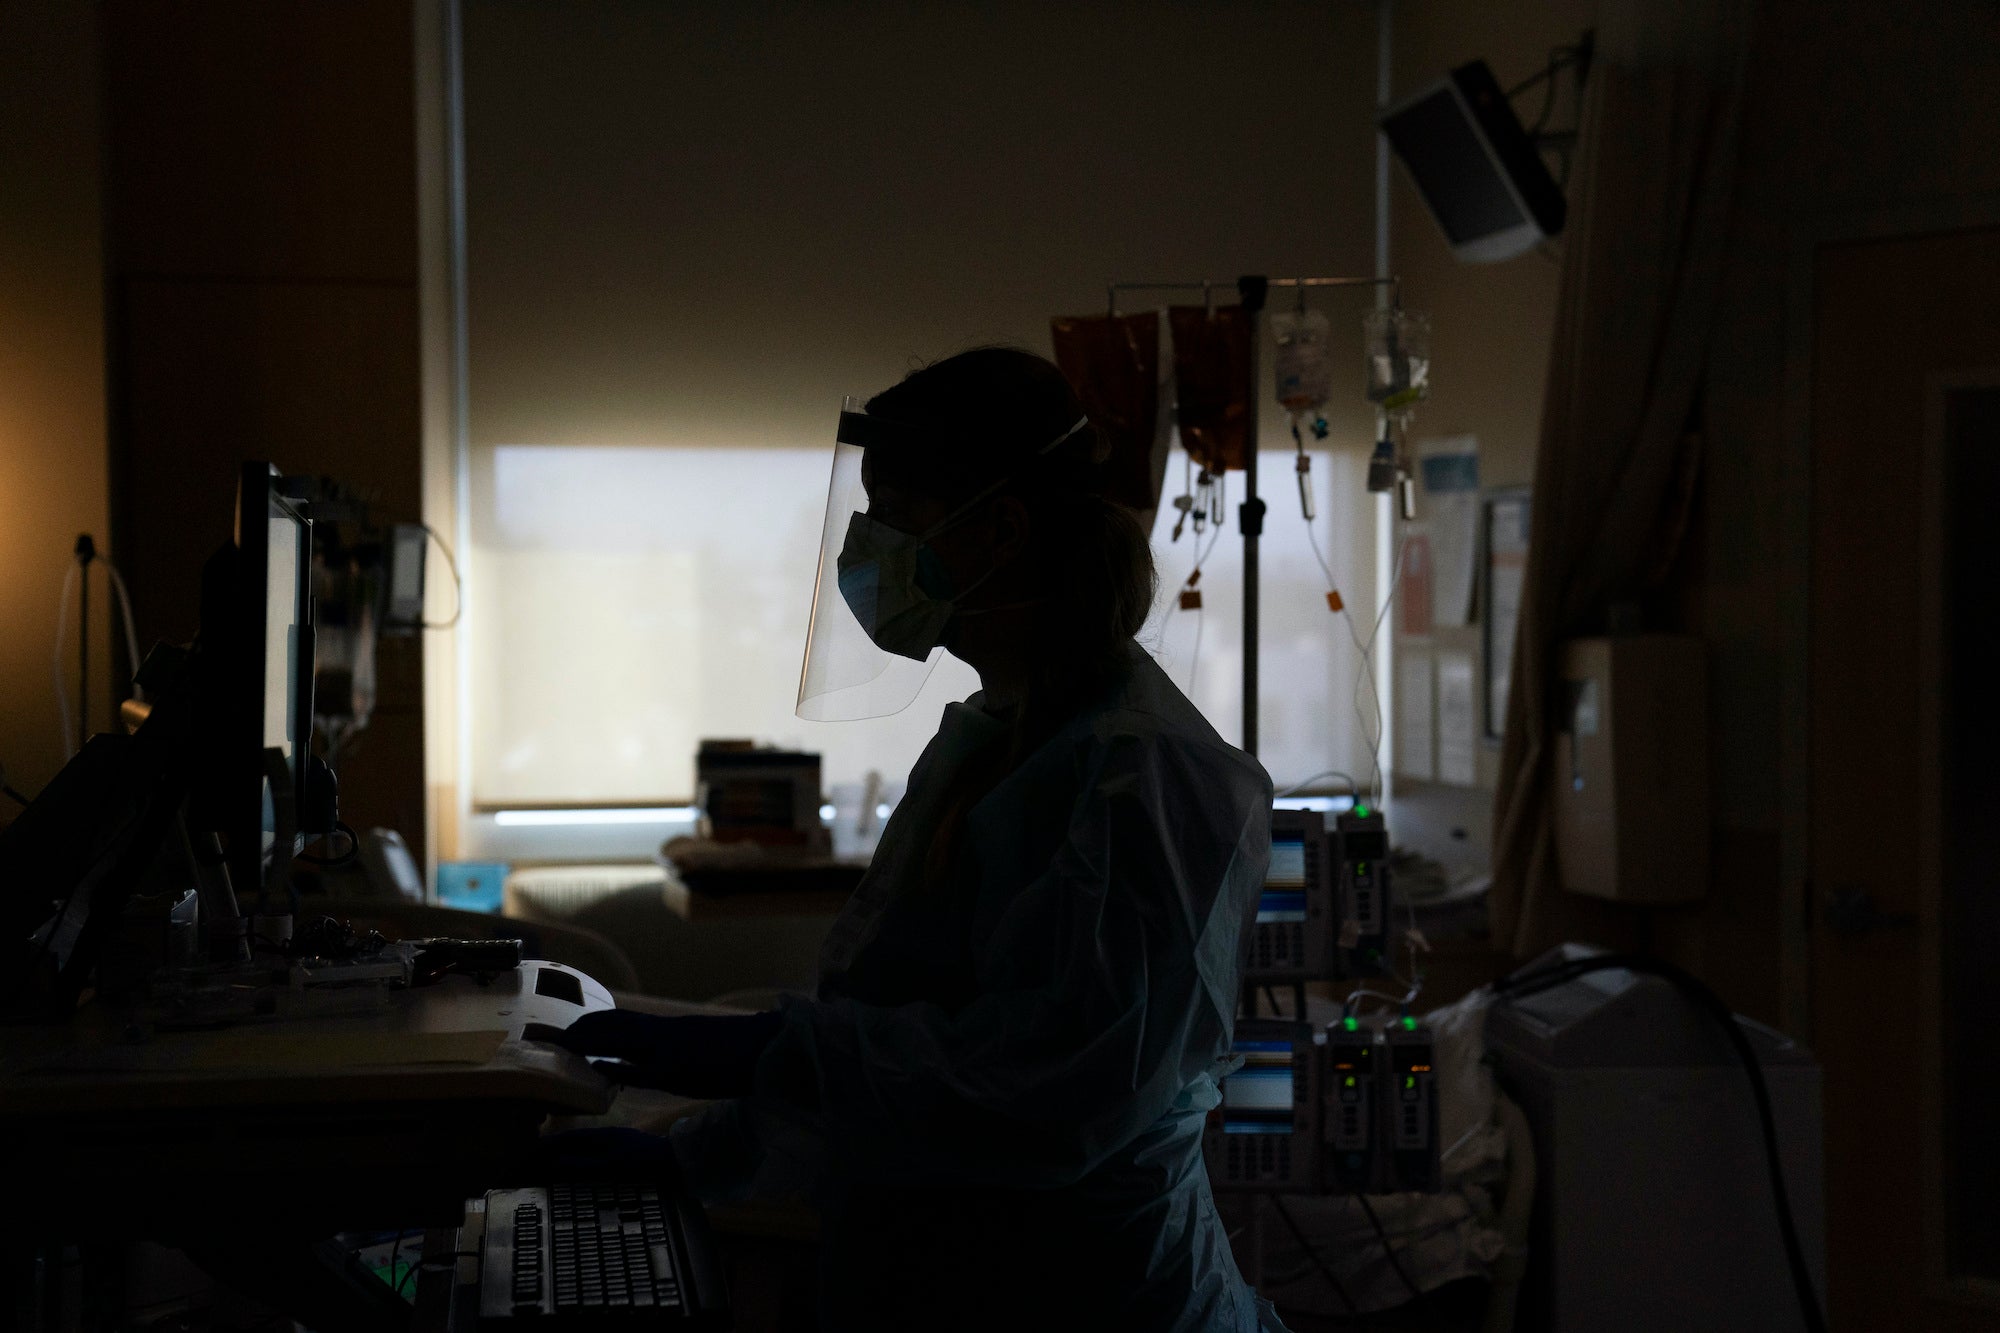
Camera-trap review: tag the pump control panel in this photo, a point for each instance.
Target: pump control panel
(1292, 939)
(1265, 1135)
(1349, 1109)
(1352, 1109)
(1361, 846)
(1410, 1107)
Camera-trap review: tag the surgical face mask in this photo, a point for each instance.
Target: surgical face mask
(897, 587)
(895, 584)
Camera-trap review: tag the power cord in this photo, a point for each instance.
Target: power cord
(457, 583)
(1395, 1260)
(9, 792)
(1193, 584)
(1353, 791)
(401, 1283)
(75, 726)
(1313, 1254)
(1530, 983)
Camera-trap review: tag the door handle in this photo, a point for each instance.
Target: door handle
(1855, 912)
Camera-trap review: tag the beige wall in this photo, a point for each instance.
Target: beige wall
(261, 260)
(1490, 331)
(763, 208)
(52, 446)
(245, 178)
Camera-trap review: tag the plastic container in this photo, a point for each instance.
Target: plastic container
(1399, 359)
(1304, 362)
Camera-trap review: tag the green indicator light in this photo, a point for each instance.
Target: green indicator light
(1410, 1023)
(1361, 812)
(1349, 1023)
(1350, 1080)
(1409, 1082)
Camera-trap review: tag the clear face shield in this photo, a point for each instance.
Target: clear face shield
(846, 675)
(881, 599)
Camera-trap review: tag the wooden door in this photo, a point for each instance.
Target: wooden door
(1904, 828)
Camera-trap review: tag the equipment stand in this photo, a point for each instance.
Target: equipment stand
(1251, 291)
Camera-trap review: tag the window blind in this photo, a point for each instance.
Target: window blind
(692, 229)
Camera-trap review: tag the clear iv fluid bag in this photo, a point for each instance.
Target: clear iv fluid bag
(1304, 359)
(1399, 359)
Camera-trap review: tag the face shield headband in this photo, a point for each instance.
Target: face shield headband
(927, 446)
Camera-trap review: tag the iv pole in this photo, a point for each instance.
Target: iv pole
(1251, 292)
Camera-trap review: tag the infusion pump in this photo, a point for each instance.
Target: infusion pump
(1325, 908)
(1351, 1109)
(1262, 1136)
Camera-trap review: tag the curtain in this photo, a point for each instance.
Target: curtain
(1620, 443)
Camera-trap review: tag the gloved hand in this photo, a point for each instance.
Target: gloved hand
(617, 1154)
(694, 1055)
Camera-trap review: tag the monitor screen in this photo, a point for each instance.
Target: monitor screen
(1450, 166)
(1285, 882)
(282, 614)
(1257, 1099)
(286, 553)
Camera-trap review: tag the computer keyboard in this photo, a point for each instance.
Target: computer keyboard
(594, 1255)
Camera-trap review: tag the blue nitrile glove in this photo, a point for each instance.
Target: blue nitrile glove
(616, 1154)
(694, 1055)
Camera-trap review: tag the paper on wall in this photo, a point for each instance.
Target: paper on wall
(1448, 474)
(1415, 698)
(1457, 721)
(1413, 583)
(1506, 575)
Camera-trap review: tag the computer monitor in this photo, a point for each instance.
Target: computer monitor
(226, 746)
(1478, 172)
(265, 702)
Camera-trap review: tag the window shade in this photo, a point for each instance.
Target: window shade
(693, 229)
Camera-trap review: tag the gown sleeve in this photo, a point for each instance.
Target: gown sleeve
(1107, 987)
